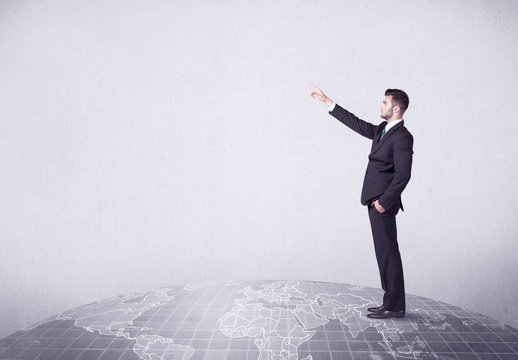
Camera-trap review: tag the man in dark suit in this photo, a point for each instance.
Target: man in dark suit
(388, 173)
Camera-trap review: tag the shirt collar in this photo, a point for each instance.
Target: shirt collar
(392, 124)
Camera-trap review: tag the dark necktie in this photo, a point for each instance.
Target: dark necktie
(382, 134)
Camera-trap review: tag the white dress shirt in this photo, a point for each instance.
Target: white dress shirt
(391, 124)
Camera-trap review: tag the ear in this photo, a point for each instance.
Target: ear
(396, 109)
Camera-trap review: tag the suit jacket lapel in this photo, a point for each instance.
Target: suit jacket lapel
(376, 144)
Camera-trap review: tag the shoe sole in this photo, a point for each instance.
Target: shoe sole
(386, 317)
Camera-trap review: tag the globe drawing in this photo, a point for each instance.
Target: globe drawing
(263, 319)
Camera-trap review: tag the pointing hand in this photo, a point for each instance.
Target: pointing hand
(319, 94)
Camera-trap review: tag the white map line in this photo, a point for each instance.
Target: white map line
(309, 311)
(114, 316)
(280, 317)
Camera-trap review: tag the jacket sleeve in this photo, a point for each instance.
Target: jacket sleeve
(402, 171)
(361, 127)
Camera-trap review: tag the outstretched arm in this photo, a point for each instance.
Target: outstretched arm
(345, 117)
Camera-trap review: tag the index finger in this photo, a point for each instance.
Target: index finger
(316, 87)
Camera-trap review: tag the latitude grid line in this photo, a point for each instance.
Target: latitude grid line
(321, 290)
(177, 307)
(256, 310)
(430, 309)
(401, 333)
(392, 323)
(249, 341)
(133, 340)
(475, 316)
(323, 328)
(371, 293)
(103, 350)
(130, 349)
(338, 290)
(493, 332)
(313, 300)
(207, 307)
(369, 296)
(462, 339)
(441, 309)
(220, 314)
(70, 342)
(213, 299)
(153, 315)
(447, 343)
(40, 336)
(203, 297)
(21, 337)
(172, 311)
(54, 339)
(206, 290)
(256, 314)
(492, 327)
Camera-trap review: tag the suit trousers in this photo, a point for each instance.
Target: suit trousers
(384, 233)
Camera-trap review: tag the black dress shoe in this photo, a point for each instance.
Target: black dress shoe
(386, 314)
(377, 309)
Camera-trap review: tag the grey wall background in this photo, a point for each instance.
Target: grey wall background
(153, 143)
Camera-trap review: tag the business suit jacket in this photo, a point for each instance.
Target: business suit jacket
(390, 159)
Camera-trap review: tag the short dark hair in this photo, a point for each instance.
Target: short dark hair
(399, 98)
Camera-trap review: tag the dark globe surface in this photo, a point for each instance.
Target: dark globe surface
(262, 320)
